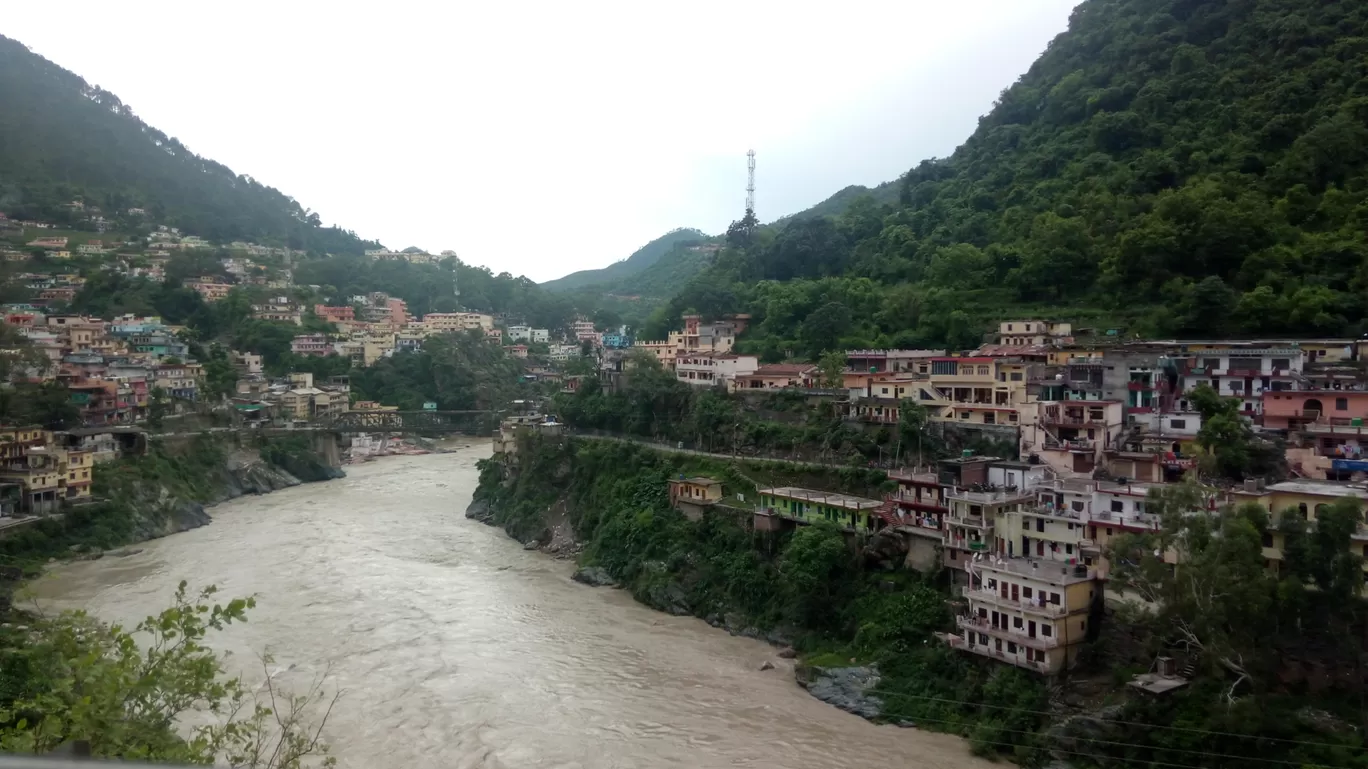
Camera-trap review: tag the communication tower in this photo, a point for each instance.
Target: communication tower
(750, 181)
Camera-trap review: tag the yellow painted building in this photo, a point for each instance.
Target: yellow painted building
(1307, 497)
(1027, 612)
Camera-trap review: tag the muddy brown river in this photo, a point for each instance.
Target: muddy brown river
(456, 648)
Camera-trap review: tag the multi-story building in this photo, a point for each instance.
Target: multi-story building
(455, 322)
(1243, 370)
(1034, 333)
(709, 369)
(210, 288)
(540, 336)
(311, 344)
(247, 363)
(279, 310)
(26, 460)
(179, 380)
(518, 334)
(1073, 437)
(564, 352)
(888, 361)
(663, 351)
(1306, 499)
(1025, 612)
(342, 314)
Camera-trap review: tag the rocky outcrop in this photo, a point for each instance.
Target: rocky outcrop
(479, 510)
(594, 576)
(161, 513)
(886, 550)
(844, 688)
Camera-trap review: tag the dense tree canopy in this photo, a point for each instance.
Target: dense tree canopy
(63, 139)
(1186, 167)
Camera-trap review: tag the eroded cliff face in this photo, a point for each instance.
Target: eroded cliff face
(159, 512)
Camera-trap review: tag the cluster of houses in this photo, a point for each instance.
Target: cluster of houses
(109, 366)
(1097, 425)
(41, 472)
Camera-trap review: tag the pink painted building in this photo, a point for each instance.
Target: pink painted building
(1299, 409)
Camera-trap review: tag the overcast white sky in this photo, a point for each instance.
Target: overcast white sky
(547, 137)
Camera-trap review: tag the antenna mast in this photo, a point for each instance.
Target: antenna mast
(750, 181)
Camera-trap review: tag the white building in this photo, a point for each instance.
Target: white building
(563, 352)
(540, 335)
(709, 369)
(518, 333)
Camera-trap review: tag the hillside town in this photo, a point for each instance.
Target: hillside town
(1098, 429)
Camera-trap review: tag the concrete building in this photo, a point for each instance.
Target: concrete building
(789, 505)
(1026, 613)
(708, 369)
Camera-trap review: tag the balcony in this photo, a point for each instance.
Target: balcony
(958, 642)
(1050, 511)
(964, 543)
(1125, 520)
(1025, 605)
(976, 625)
(925, 503)
(1070, 445)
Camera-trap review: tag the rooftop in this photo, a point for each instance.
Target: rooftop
(698, 480)
(783, 369)
(1053, 572)
(1320, 488)
(823, 497)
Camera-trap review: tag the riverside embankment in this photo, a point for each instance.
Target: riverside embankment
(166, 491)
(456, 648)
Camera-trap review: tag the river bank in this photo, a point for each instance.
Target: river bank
(168, 490)
(457, 648)
(863, 636)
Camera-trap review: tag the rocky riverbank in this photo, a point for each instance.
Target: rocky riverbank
(164, 491)
(245, 473)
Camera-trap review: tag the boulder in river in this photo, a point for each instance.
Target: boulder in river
(594, 576)
(767, 665)
(479, 511)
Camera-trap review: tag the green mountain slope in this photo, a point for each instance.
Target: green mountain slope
(62, 139)
(616, 275)
(1187, 167)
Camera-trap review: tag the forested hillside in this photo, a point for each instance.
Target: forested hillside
(62, 139)
(1183, 167)
(623, 276)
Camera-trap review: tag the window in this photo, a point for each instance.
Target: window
(1267, 539)
(1054, 598)
(1026, 591)
(1016, 622)
(1109, 531)
(983, 371)
(1068, 549)
(1016, 376)
(943, 367)
(1011, 648)
(1341, 404)
(1046, 630)
(1077, 505)
(1040, 524)
(1178, 424)
(1117, 506)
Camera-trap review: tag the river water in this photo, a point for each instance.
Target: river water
(454, 647)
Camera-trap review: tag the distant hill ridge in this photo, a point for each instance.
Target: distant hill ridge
(618, 276)
(62, 139)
